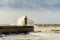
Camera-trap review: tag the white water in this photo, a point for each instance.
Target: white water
(21, 21)
(32, 36)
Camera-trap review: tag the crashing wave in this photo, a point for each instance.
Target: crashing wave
(21, 21)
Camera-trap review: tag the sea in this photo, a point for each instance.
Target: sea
(32, 36)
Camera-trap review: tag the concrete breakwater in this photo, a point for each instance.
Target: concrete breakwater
(16, 29)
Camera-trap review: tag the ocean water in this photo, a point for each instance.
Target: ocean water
(32, 36)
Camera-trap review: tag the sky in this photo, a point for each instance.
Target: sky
(40, 11)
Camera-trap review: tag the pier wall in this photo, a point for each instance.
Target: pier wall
(16, 29)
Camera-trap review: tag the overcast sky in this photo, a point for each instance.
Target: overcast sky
(41, 11)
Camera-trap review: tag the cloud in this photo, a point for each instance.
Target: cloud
(30, 4)
(8, 16)
(41, 11)
(53, 3)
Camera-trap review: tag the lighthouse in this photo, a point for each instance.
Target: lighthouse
(25, 21)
